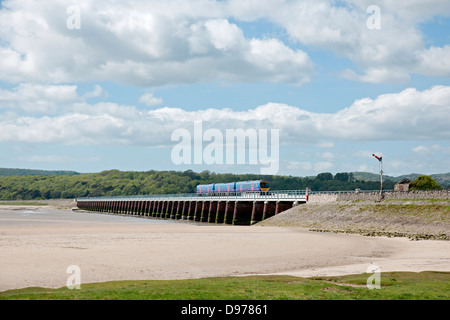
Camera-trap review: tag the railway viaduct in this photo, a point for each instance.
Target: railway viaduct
(236, 209)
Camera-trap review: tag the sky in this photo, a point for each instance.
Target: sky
(314, 86)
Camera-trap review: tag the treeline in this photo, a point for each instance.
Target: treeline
(127, 183)
(4, 172)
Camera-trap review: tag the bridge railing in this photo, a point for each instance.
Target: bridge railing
(261, 196)
(269, 195)
(349, 191)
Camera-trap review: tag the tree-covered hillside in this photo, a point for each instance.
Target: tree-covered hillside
(122, 183)
(7, 172)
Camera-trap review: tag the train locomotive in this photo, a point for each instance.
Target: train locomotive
(233, 188)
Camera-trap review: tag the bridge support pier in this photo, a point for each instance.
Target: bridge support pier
(205, 211)
(167, 210)
(257, 212)
(191, 212)
(198, 210)
(185, 212)
(269, 209)
(141, 208)
(220, 213)
(283, 206)
(150, 209)
(179, 212)
(173, 210)
(242, 213)
(156, 209)
(212, 212)
(229, 212)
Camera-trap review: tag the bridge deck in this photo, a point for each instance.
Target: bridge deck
(285, 195)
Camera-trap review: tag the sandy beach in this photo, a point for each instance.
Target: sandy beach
(38, 244)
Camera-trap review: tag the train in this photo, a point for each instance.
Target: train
(233, 187)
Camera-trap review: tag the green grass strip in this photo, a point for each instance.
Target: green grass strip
(394, 286)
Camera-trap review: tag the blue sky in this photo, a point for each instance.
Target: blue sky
(97, 85)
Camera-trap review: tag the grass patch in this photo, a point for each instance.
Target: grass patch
(407, 207)
(23, 203)
(421, 200)
(394, 286)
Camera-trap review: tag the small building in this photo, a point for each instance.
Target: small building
(402, 186)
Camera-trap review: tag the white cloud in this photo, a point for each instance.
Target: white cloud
(389, 54)
(56, 159)
(325, 144)
(308, 167)
(150, 100)
(434, 61)
(36, 98)
(420, 149)
(429, 150)
(97, 92)
(322, 166)
(47, 99)
(46, 158)
(367, 154)
(166, 42)
(142, 43)
(326, 155)
(378, 75)
(385, 55)
(33, 92)
(155, 43)
(407, 115)
(412, 10)
(363, 168)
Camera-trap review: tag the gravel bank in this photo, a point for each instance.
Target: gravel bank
(422, 219)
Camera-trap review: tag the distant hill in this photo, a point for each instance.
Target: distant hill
(442, 178)
(5, 172)
(21, 184)
(368, 176)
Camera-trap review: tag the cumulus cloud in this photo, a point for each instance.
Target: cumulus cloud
(150, 100)
(434, 61)
(56, 159)
(430, 150)
(408, 115)
(37, 98)
(388, 54)
(385, 54)
(156, 43)
(308, 167)
(149, 43)
(27, 91)
(96, 93)
(378, 75)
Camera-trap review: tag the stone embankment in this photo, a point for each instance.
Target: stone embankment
(375, 196)
(416, 215)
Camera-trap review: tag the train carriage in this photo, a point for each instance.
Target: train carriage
(233, 187)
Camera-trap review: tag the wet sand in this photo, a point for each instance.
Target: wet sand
(38, 244)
